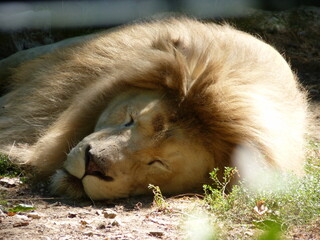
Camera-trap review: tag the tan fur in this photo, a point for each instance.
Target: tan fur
(218, 87)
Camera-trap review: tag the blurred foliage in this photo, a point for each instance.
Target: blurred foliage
(291, 201)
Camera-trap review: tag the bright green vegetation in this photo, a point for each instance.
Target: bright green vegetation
(290, 200)
(21, 208)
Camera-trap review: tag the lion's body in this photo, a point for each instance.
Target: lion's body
(224, 87)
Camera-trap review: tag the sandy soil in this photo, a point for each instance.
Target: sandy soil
(134, 218)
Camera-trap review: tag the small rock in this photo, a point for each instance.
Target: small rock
(109, 213)
(83, 222)
(34, 215)
(21, 224)
(156, 234)
(72, 215)
(89, 233)
(101, 226)
(116, 222)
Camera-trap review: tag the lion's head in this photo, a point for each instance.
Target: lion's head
(136, 141)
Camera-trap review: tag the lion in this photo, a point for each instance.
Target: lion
(162, 102)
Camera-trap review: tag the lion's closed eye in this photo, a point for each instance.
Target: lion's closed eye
(155, 161)
(159, 164)
(130, 122)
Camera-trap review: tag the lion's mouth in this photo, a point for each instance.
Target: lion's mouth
(99, 175)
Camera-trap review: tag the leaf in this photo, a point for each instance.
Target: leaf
(267, 224)
(272, 230)
(21, 208)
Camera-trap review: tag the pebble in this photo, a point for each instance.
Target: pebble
(89, 233)
(34, 215)
(101, 226)
(71, 215)
(156, 234)
(107, 213)
(20, 224)
(116, 222)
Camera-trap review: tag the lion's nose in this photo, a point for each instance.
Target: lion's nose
(93, 166)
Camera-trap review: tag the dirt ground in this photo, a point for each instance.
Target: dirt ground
(185, 217)
(136, 218)
(133, 218)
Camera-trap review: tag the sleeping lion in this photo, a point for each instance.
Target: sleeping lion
(163, 103)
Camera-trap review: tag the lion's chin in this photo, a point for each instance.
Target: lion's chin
(65, 184)
(99, 189)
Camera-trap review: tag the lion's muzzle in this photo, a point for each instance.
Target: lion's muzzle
(94, 165)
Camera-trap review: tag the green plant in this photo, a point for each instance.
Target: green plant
(158, 198)
(215, 194)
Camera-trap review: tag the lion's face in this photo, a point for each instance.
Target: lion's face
(135, 143)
